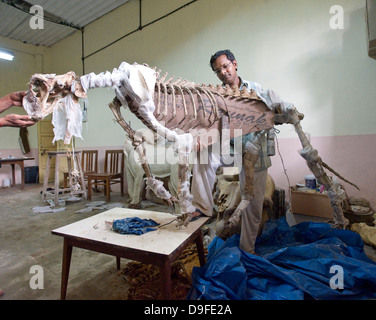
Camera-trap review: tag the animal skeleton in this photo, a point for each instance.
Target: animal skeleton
(182, 112)
(164, 168)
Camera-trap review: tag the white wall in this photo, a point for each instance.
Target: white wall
(14, 76)
(284, 45)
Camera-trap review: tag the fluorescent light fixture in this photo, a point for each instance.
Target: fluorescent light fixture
(6, 55)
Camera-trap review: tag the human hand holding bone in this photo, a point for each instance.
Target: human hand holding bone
(16, 120)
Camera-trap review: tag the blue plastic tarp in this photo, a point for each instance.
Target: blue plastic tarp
(307, 261)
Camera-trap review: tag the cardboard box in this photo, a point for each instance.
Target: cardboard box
(311, 204)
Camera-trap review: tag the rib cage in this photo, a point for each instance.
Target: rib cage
(185, 105)
(179, 86)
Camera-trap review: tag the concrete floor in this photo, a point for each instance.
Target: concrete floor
(26, 241)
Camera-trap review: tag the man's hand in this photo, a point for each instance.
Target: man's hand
(12, 99)
(16, 120)
(199, 146)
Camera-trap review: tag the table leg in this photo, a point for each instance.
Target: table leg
(46, 175)
(67, 255)
(22, 175)
(165, 272)
(200, 248)
(13, 175)
(118, 263)
(56, 190)
(89, 188)
(107, 190)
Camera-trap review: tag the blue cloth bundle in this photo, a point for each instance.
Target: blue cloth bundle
(134, 225)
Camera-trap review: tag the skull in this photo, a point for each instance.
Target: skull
(45, 91)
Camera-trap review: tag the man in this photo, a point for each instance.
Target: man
(14, 120)
(224, 65)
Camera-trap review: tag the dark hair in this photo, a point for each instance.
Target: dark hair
(219, 53)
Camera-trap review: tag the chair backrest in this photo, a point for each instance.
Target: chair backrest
(89, 161)
(114, 161)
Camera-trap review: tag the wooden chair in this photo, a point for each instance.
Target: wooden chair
(89, 161)
(113, 173)
(89, 164)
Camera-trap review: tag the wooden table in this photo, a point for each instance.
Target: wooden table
(160, 247)
(13, 162)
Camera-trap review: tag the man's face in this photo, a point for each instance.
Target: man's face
(225, 70)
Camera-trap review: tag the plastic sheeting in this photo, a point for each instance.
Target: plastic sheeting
(293, 263)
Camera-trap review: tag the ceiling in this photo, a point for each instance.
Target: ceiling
(61, 18)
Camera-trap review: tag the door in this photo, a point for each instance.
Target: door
(45, 138)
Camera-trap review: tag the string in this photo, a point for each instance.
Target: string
(283, 164)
